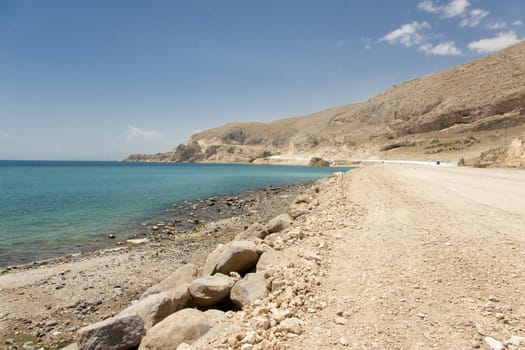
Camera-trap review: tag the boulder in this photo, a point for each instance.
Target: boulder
(157, 307)
(183, 275)
(215, 316)
(255, 230)
(236, 256)
(279, 223)
(184, 326)
(249, 289)
(116, 333)
(210, 290)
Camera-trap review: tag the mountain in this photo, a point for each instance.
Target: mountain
(457, 113)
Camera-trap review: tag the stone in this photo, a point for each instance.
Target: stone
(72, 346)
(136, 241)
(215, 316)
(246, 291)
(255, 230)
(210, 290)
(157, 307)
(297, 210)
(344, 341)
(115, 333)
(271, 257)
(515, 341)
(279, 223)
(184, 346)
(184, 326)
(180, 277)
(494, 344)
(291, 325)
(236, 256)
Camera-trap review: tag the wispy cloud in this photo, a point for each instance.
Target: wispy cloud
(454, 8)
(474, 18)
(488, 45)
(408, 34)
(448, 48)
(4, 135)
(133, 133)
(497, 25)
(517, 23)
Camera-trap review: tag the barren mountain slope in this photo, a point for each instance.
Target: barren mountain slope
(461, 111)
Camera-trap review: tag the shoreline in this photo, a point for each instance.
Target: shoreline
(179, 213)
(68, 292)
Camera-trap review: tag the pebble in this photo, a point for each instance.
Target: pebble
(340, 320)
(494, 344)
(344, 341)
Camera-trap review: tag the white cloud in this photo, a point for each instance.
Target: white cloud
(427, 6)
(496, 25)
(517, 23)
(455, 8)
(474, 18)
(489, 45)
(133, 133)
(408, 34)
(448, 48)
(3, 135)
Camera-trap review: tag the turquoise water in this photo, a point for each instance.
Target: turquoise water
(52, 208)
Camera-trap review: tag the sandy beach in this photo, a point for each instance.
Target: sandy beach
(387, 257)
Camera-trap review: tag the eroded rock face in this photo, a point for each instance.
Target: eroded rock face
(236, 256)
(316, 161)
(249, 289)
(157, 307)
(279, 223)
(184, 326)
(210, 290)
(183, 275)
(116, 333)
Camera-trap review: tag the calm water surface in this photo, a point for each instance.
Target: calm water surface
(51, 208)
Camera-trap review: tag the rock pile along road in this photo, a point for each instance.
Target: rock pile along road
(410, 257)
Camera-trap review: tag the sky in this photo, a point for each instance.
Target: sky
(101, 79)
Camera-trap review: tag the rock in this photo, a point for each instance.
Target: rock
(340, 320)
(344, 341)
(515, 341)
(157, 307)
(275, 240)
(255, 230)
(183, 275)
(291, 325)
(249, 289)
(299, 209)
(268, 258)
(279, 223)
(210, 290)
(184, 326)
(316, 161)
(137, 241)
(494, 344)
(236, 256)
(215, 316)
(116, 333)
(72, 346)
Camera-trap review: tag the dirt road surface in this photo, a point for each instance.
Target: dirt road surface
(435, 259)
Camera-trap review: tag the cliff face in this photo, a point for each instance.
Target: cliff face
(423, 118)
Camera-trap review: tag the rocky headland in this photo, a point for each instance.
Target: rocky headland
(455, 114)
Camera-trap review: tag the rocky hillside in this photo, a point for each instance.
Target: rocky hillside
(459, 112)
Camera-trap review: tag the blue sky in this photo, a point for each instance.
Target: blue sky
(99, 79)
